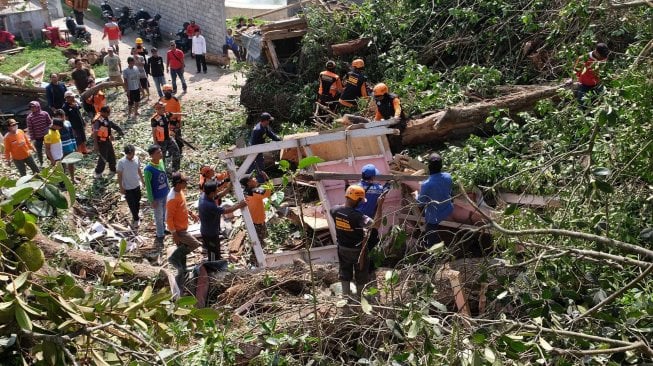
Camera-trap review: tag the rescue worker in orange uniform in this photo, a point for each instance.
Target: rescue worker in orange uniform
(97, 100)
(354, 85)
(388, 106)
(102, 127)
(330, 87)
(173, 110)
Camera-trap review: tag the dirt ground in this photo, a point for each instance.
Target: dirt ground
(216, 84)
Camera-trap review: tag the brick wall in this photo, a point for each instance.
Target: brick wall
(208, 14)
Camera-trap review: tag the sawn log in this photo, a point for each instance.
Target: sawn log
(93, 263)
(461, 121)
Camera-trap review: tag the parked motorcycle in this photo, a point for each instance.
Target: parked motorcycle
(142, 14)
(152, 31)
(182, 41)
(107, 11)
(78, 32)
(126, 19)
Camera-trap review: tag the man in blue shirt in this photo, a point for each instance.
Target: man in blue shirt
(210, 214)
(373, 191)
(259, 132)
(435, 197)
(55, 92)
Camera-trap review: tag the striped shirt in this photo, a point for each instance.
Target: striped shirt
(38, 124)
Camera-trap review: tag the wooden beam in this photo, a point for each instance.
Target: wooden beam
(282, 8)
(274, 60)
(530, 200)
(283, 34)
(327, 254)
(306, 141)
(354, 176)
(247, 217)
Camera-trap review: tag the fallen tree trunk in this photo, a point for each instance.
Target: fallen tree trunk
(90, 91)
(350, 47)
(93, 264)
(21, 90)
(461, 121)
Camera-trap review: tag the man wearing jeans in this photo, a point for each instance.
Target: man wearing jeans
(157, 70)
(130, 179)
(156, 185)
(175, 65)
(435, 197)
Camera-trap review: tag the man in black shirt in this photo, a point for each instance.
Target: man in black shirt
(351, 234)
(259, 132)
(156, 69)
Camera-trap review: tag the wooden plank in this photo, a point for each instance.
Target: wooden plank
(18, 73)
(283, 34)
(12, 51)
(305, 141)
(320, 175)
(530, 200)
(249, 224)
(295, 22)
(274, 59)
(10, 89)
(327, 254)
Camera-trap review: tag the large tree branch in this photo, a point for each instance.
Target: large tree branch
(561, 232)
(628, 4)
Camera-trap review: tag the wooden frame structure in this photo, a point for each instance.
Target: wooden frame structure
(305, 143)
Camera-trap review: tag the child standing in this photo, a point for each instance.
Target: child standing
(254, 196)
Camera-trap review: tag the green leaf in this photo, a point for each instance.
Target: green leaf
(206, 314)
(18, 282)
(123, 248)
(22, 318)
(510, 209)
(284, 165)
(17, 195)
(18, 220)
(308, 161)
(54, 197)
(72, 158)
(365, 306)
(40, 208)
(186, 301)
(603, 186)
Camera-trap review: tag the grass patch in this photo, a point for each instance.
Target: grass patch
(36, 52)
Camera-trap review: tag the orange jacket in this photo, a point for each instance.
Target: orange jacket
(256, 206)
(172, 106)
(176, 211)
(17, 145)
(330, 84)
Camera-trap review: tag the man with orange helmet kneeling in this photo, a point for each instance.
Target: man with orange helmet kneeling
(388, 106)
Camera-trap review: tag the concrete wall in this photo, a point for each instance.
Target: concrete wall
(208, 14)
(31, 14)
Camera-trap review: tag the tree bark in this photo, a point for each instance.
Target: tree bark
(90, 91)
(350, 47)
(93, 263)
(461, 121)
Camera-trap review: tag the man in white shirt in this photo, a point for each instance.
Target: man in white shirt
(130, 178)
(199, 51)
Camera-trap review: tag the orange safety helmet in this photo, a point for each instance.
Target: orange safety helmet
(355, 193)
(358, 63)
(380, 90)
(167, 87)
